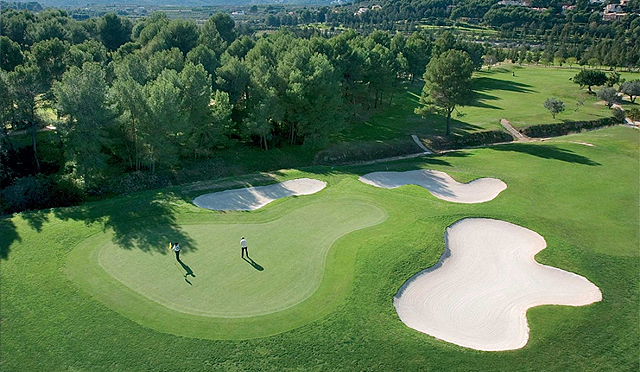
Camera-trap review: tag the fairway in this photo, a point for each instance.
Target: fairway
(497, 95)
(98, 280)
(286, 266)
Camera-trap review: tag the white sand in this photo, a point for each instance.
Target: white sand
(439, 184)
(478, 294)
(251, 198)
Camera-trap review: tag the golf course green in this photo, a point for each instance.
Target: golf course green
(95, 288)
(285, 268)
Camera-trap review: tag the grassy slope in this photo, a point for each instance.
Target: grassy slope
(499, 95)
(559, 189)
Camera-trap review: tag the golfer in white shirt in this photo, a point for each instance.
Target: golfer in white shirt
(243, 246)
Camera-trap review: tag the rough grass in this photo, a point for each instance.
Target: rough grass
(499, 95)
(584, 200)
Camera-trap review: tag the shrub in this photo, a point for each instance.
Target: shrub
(39, 192)
(609, 95)
(633, 114)
(364, 151)
(130, 183)
(619, 114)
(468, 140)
(554, 106)
(631, 88)
(27, 193)
(560, 129)
(66, 192)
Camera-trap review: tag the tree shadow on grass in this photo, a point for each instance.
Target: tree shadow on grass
(36, 219)
(140, 222)
(486, 83)
(8, 235)
(479, 100)
(546, 152)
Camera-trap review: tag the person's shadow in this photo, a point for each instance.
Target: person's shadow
(188, 272)
(251, 262)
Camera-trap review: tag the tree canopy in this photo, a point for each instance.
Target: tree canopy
(447, 84)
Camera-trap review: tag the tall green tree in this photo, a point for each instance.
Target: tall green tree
(417, 51)
(163, 130)
(445, 42)
(240, 47)
(14, 24)
(447, 84)
(590, 78)
(204, 138)
(206, 57)
(81, 96)
(631, 88)
(48, 57)
(314, 102)
(24, 86)
(114, 31)
(166, 59)
(210, 37)
(88, 51)
(195, 84)
(10, 54)
(225, 26)
(182, 34)
(130, 103)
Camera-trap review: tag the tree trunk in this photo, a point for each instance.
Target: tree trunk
(449, 122)
(135, 143)
(34, 132)
(292, 134)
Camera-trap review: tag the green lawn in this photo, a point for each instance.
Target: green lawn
(498, 95)
(288, 250)
(61, 312)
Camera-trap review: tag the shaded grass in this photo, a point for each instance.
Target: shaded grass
(498, 95)
(587, 211)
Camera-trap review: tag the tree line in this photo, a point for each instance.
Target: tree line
(150, 94)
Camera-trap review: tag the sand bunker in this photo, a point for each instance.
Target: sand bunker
(251, 198)
(439, 184)
(478, 294)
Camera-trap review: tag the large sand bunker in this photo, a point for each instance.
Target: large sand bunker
(251, 198)
(439, 184)
(478, 294)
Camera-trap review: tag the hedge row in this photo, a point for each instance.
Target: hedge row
(350, 152)
(440, 143)
(567, 127)
(39, 192)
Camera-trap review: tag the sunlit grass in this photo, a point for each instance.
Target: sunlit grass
(584, 200)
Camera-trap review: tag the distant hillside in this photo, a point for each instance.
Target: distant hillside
(82, 3)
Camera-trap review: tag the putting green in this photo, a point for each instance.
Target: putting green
(213, 283)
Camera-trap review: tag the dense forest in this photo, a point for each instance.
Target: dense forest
(127, 97)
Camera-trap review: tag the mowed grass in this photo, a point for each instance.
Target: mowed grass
(286, 265)
(498, 95)
(584, 200)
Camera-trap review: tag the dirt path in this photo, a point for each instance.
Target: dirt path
(517, 135)
(420, 144)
